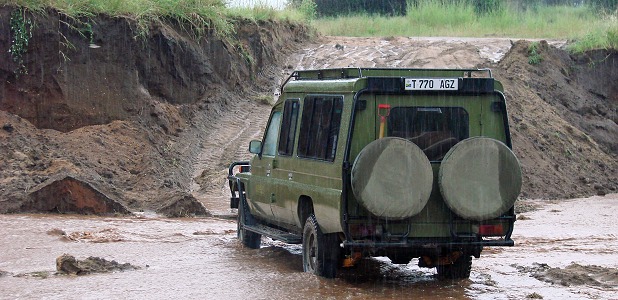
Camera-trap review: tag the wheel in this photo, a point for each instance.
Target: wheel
(321, 252)
(460, 269)
(480, 178)
(248, 238)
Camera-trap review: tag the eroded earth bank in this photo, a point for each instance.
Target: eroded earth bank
(122, 123)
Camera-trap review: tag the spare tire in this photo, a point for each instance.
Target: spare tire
(392, 178)
(480, 178)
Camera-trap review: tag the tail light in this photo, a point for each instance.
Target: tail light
(491, 230)
(365, 230)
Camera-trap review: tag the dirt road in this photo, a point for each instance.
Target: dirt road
(404, 52)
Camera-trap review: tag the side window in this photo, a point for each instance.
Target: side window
(288, 127)
(270, 140)
(319, 127)
(434, 129)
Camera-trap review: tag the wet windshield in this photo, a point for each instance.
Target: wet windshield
(434, 129)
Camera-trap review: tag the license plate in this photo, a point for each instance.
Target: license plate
(432, 84)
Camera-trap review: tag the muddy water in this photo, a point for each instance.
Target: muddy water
(201, 258)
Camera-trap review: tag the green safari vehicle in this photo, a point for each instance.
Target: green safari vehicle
(402, 163)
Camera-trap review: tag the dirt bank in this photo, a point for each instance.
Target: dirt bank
(132, 120)
(564, 114)
(123, 112)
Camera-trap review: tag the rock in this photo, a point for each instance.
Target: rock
(66, 263)
(601, 190)
(8, 127)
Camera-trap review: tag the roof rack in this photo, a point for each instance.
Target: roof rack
(351, 73)
(347, 73)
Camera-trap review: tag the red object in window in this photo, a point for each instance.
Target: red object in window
(387, 107)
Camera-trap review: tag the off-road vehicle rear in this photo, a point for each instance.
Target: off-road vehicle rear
(403, 163)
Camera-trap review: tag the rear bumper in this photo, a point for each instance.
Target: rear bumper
(428, 244)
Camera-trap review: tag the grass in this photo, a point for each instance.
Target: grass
(534, 57)
(198, 15)
(580, 24)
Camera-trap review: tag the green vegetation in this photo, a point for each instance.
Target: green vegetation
(486, 7)
(594, 25)
(604, 5)
(589, 26)
(198, 15)
(308, 8)
(534, 57)
(596, 39)
(21, 32)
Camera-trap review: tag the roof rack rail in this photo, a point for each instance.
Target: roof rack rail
(346, 73)
(351, 73)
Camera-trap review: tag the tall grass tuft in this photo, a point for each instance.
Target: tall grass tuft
(198, 15)
(461, 18)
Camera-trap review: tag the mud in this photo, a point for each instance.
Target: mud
(70, 195)
(69, 265)
(566, 249)
(183, 206)
(574, 274)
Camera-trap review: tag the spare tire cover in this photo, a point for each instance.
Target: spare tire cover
(392, 178)
(480, 178)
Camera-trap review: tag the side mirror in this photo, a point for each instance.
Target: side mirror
(255, 147)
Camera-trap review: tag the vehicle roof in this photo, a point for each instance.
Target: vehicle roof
(351, 80)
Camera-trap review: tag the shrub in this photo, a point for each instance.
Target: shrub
(605, 6)
(308, 8)
(347, 7)
(534, 57)
(486, 7)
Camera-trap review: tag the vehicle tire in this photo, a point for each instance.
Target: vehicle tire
(392, 178)
(248, 238)
(460, 269)
(480, 178)
(321, 252)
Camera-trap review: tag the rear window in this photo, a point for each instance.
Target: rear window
(434, 129)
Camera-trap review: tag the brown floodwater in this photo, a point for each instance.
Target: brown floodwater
(201, 258)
